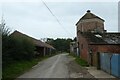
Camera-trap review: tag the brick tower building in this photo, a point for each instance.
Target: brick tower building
(96, 46)
(89, 23)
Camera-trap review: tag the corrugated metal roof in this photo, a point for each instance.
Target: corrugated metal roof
(105, 38)
(91, 38)
(112, 38)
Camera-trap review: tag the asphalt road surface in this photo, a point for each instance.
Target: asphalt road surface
(58, 66)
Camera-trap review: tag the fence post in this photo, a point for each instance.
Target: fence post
(98, 60)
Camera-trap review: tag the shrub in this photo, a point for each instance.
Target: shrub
(81, 62)
(21, 48)
(17, 49)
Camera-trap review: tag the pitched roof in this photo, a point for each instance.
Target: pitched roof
(89, 15)
(35, 41)
(49, 46)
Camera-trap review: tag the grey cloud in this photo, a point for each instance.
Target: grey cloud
(36, 20)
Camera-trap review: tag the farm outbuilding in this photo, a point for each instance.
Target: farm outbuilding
(97, 46)
(42, 48)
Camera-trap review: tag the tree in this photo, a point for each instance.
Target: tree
(4, 33)
(4, 30)
(60, 44)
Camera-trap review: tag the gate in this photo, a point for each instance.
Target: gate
(105, 62)
(115, 65)
(110, 63)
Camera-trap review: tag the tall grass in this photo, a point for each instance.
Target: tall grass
(19, 67)
(80, 61)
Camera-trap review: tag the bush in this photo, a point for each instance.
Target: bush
(22, 49)
(4, 32)
(81, 62)
(17, 49)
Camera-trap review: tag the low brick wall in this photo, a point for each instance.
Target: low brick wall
(108, 48)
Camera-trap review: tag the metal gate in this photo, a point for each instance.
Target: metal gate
(110, 63)
(115, 65)
(105, 62)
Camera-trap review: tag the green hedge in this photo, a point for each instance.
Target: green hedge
(14, 49)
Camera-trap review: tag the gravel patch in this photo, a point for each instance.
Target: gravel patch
(77, 71)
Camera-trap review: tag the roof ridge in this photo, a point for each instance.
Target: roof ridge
(36, 41)
(89, 15)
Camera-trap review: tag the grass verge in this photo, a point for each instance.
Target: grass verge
(13, 70)
(17, 68)
(80, 61)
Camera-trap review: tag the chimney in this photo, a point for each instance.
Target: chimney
(88, 11)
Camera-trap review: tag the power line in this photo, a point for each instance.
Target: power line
(55, 17)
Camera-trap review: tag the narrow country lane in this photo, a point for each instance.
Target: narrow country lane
(54, 67)
(58, 66)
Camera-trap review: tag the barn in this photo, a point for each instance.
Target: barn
(42, 48)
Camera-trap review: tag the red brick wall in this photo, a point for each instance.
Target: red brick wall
(85, 26)
(110, 48)
(103, 48)
(83, 45)
(88, 26)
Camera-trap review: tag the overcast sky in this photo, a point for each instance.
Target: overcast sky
(35, 20)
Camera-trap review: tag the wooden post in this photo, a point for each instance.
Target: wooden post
(50, 51)
(44, 51)
(98, 60)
